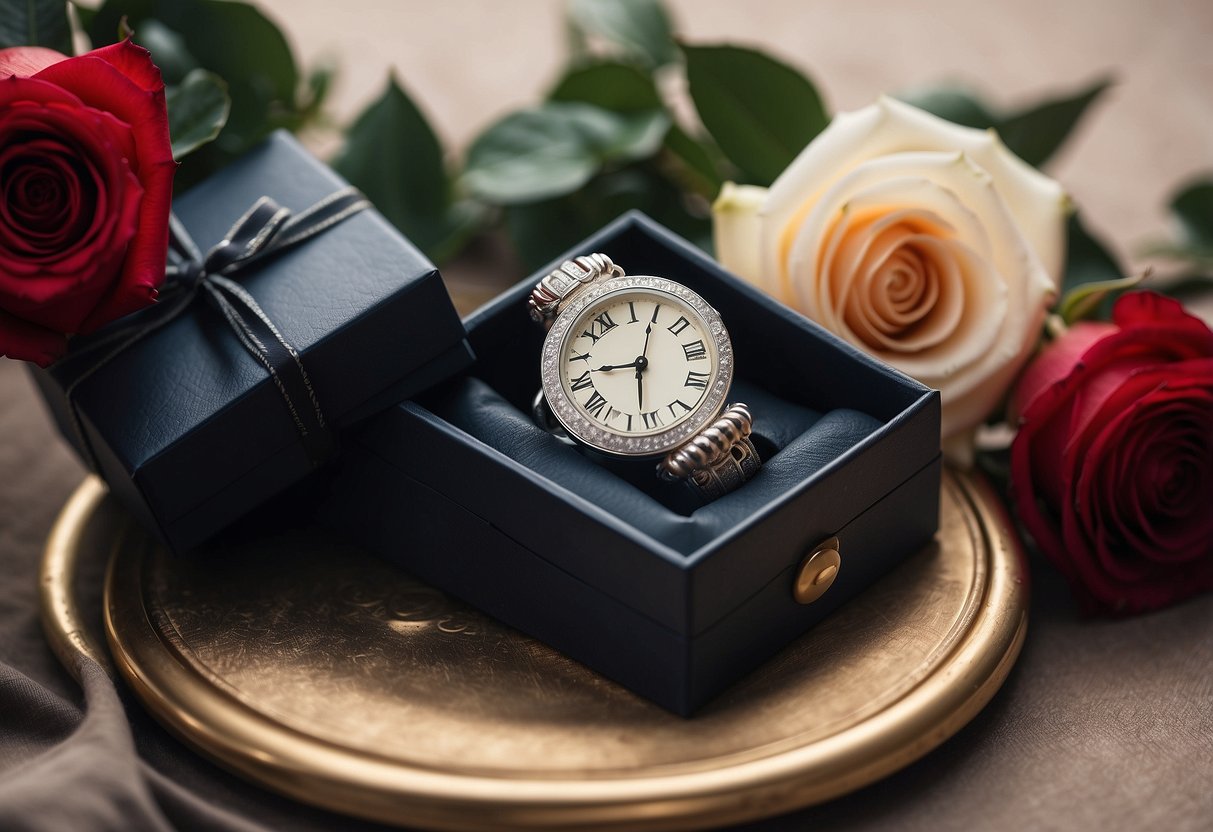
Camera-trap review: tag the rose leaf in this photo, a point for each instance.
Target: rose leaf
(541, 230)
(84, 14)
(956, 104)
(1193, 207)
(700, 168)
(554, 149)
(638, 29)
(36, 23)
(760, 111)
(234, 40)
(169, 50)
(1037, 132)
(393, 156)
(1192, 210)
(618, 87)
(197, 110)
(1088, 261)
(1092, 299)
(528, 156)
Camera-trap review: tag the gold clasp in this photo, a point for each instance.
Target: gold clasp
(817, 572)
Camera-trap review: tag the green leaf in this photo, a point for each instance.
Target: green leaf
(392, 155)
(236, 42)
(464, 220)
(1193, 207)
(1089, 299)
(319, 83)
(36, 23)
(1088, 262)
(579, 50)
(169, 50)
(640, 29)
(699, 171)
(1036, 133)
(541, 230)
(555, 149)
(612, 86)
(197, 110)
(760, 111)
(84, 14)
(956, 104)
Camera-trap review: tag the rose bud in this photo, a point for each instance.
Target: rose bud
(1112, 467)
(928, 245)
(86, 175)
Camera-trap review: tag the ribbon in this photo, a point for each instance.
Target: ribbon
(265, 229)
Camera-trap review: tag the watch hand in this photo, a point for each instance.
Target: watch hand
(642, 363)
(607, 367)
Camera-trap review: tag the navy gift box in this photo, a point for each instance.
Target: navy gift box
(186, 425)
(460, 487)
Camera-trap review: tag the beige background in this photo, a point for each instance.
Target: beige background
(468, 62)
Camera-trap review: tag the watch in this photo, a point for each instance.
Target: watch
(638, 367)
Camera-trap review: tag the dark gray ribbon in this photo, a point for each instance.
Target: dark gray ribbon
(265, 230)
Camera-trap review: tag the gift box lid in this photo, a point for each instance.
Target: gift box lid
(188, 426)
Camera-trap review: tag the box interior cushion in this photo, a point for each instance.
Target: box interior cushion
(803, 440)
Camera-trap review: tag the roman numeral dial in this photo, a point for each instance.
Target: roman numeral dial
(638, 362)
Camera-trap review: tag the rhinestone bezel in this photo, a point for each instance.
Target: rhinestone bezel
(596, 436)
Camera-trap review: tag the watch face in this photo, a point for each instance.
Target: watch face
(637, 365)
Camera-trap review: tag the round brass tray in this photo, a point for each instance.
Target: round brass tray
(316, 670)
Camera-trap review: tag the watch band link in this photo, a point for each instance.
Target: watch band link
(717, 459)
(561, 283)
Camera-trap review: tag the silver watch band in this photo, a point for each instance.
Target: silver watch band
(551, 293)
(717, 459)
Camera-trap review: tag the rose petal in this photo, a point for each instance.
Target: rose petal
(101, 84)
(1109, 568)
(24, 341)
(134, 62)
(1036, 202)
(1152, 395)
(736, 230)
(861, 241)
(1054, 362)
(23, 61)
(1007, 288)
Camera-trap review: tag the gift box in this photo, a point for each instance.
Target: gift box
(190, 429)
(461, 487)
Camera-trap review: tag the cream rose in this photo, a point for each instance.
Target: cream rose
(929, 245)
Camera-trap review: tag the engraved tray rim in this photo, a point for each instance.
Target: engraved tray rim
(322, 773)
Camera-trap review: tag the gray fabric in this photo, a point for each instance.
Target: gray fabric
(1102, 725)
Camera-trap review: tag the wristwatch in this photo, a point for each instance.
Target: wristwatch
(637, 367)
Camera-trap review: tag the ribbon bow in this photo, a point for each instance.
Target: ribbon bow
(265, 230)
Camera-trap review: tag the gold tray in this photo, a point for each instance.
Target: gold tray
(318, 671)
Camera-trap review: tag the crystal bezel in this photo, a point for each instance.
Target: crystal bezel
(594, 435)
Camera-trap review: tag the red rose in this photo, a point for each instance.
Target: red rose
(1112, 468)
(86, 177)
